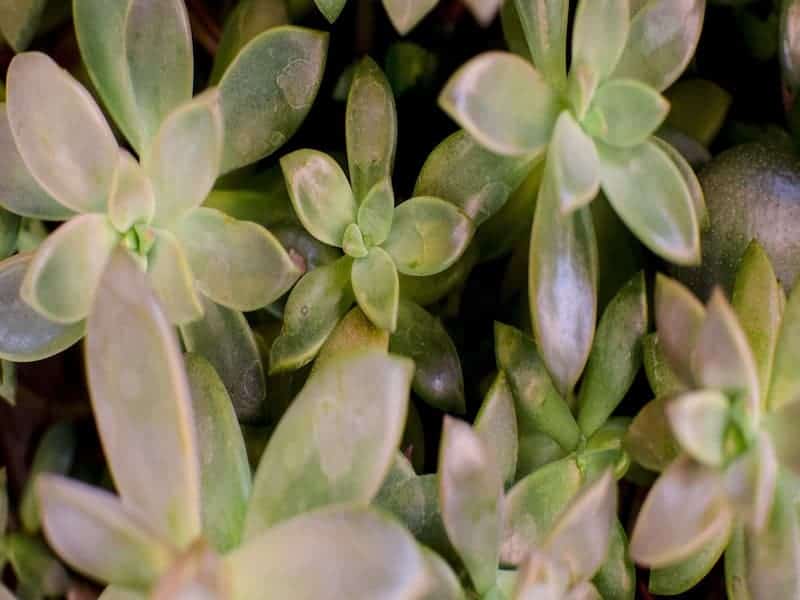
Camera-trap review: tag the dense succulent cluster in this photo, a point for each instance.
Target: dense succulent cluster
(273, 338)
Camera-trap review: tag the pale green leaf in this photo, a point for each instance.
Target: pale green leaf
(599, 35)
(544, 23)
(172, 280)
(784, 387)
(661, 42)
(428, 235)
(67, 266)
(370, 125)
(631, 112)
(315, 305)
(617, 577)
(444, 583)
(679, 317)
(649, 440)
(19, 22)
(405, 14)
(471, 494)
(503, 102)
(311, 556)
(131, 201)
(223, 337)
(238, 264)
(581, 86)
(376, 288)
(666, 223)
(113, 592)
(496, 424)
(320, 194)
(100, 536)
(662, 379)
(48, 109)
(751, 481)
(699, 421)
(330, 8)
(376, 213)
(736, 584)
(336, 441)
(38, 572)
(268, 90)
(353, 242)
(142, 403)
(572, 156)
(689, 176)
(355, 330)
(183, 160)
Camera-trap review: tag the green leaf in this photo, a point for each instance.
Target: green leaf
(267, 91)
(336, 441)
(277, 564)
(544, 23)
(355, 330)
(376, 213)
(599, 35)
(689, 176)
(405, 14)
(237, 264)
(131, 201)
(617, 577)
(171, 277)
(572, 156)
(330, 8)
(751, 482)
(371, 127)
(666, 223)
(159, 60)
(562, 283)
(353, 242)
(662, 379)
(503, 102)
(736, 584)
(695, 492)
(65, 116)
(320, 194)
(67, 267)
(471, 494)
(437, 375)
(19, 22)
(699, 421)
(25, 335)
(19, 191)
(428, 235)
(496, 424)
(98, 535)
(183, 160)
(224, 470)
(679, 317)
(661, 42)
(433, 288)
(616, 355)
(445, 584)
(314, 307)
(376, 287)
(649, 440)
(631, 112)
(224, 339)
(476, 180)
(698, 108)
(536, 400)
(113, 592)
(133, 360)
(38, 572)
(784, 388)
(581, 87)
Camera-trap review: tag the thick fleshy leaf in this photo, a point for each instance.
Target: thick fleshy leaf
(315, 305)
(172, 279)
(371, 122)
(503, 102)
(617, 577)
(722, 356)
(562, 283)
(679, 317)
(544, 23)
(496, 424)
(376, 213)
(428, 235)
(25, 335)
(471, 492)
(355, 330)
(666, 223)
(98, 535)
(183, 160)
(484, 180)
(484, 11)
(689, 176)
(336, 441)
(19, 22)
(238, 264)
(736, 584)
(758, 302)
(661, 42)
(320, 193)
(444, 583)
(376, 287)
(48, 109)
(268, 90)
(784, 387)
(224, 470)
(437, 375)
(631, 112)
(662, 379)
(160, 61)
(64, 273)
(699, 421)
(581, 87)
(311, 556)
(699, 107)
(330, 8)
(696, 493)
(19, 191)
(751, 482)
(599, 35)
(616, 355)
(572, 156)
(113, 592)
(536, 400)
(649, 440)
(533, 505)
(224, 338)
(405, 14)
(131, 200)
(142, 403)
(582, 533)
(38, 572)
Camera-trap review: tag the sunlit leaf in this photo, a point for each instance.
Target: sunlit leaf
(599, 35)
(376, 213)
(631, 112)
(572, 156)
(544, 23)
(376, 287)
